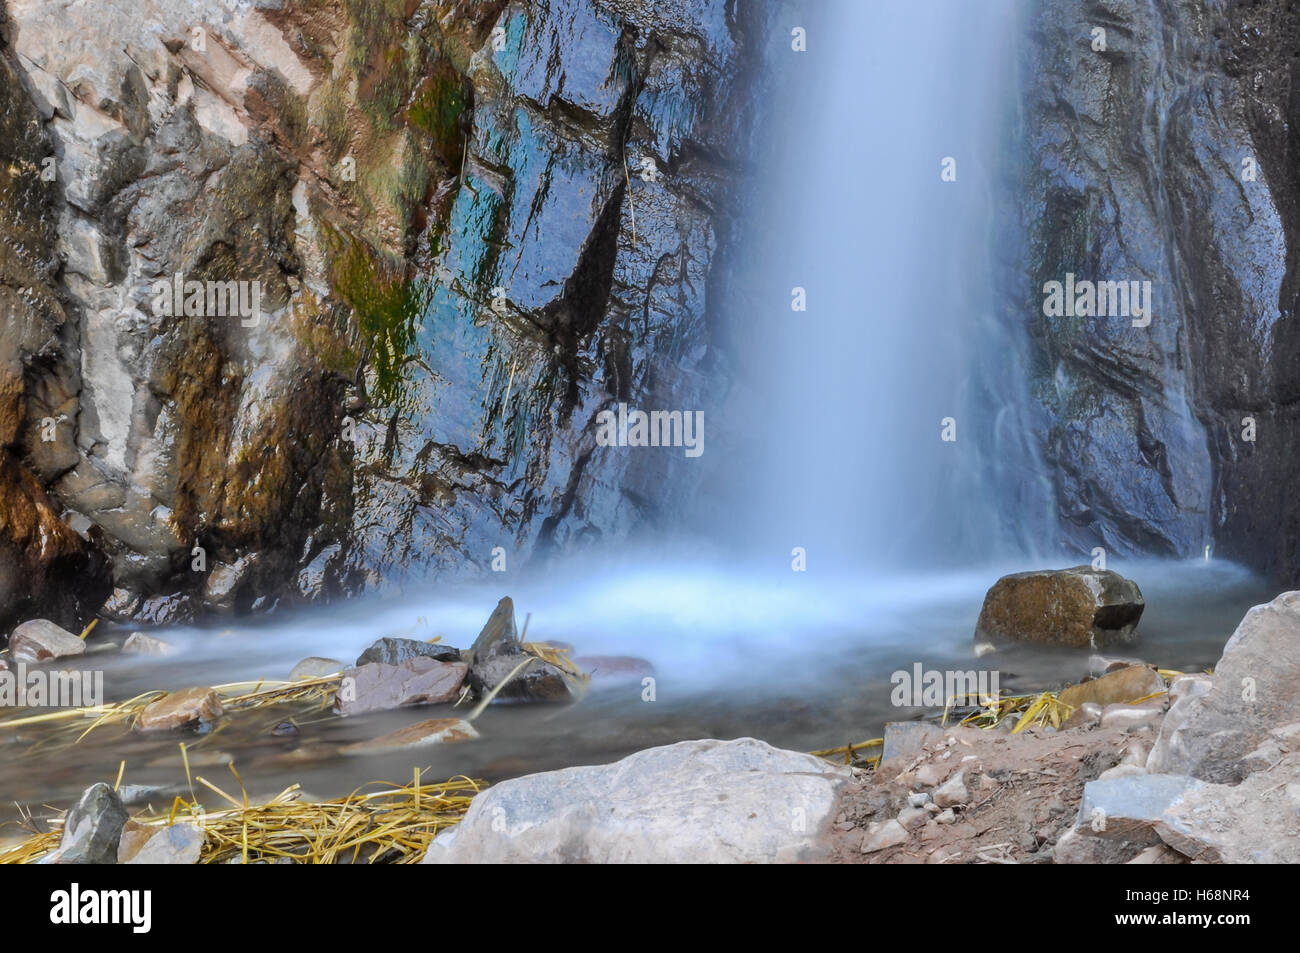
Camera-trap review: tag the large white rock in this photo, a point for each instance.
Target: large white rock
(739, 801)
(1256, 688)
(1253, 822)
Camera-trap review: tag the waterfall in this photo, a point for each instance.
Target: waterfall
(885, 190)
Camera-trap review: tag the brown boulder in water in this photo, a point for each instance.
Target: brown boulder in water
(178, 709)
(1078, 607)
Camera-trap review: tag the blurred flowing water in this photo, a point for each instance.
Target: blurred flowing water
(800, 661)
(885, 193)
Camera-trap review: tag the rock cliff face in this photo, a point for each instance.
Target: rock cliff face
(467, 228)
(1162, 149)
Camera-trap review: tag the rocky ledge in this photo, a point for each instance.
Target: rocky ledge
(472, 227)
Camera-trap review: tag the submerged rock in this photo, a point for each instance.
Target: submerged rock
(415, 681)
(137, 643)
(315, 667)
(497, 652)
(391, 651)
(1079, 607)
(614, 669)
(179, 709)
(435, 731)
(739, 801)
(40, 640)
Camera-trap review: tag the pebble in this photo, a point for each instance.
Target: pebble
(1189, 686)
(953, 792)
(928, 775)
(913, 817)
(1130, 718)
(882, 835)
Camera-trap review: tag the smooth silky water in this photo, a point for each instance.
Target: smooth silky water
(798, 662)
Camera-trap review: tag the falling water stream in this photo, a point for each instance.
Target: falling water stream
(903, 532)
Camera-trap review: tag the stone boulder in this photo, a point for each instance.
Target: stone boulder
(391, 651)
(1121, 686)
(41, 640)
(178, 843)
(1255, 688)
(1253, 822)
(416, 681)
(190, 706)
(1080, 607)
(709, 801)
(497, 652)
(92, 828)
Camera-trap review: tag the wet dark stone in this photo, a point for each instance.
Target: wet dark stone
(497, 652)
(93, 827)
(391, 651)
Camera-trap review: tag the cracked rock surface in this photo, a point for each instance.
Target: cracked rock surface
(472, 227)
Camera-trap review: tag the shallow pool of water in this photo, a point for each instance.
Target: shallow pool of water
(799, 659)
